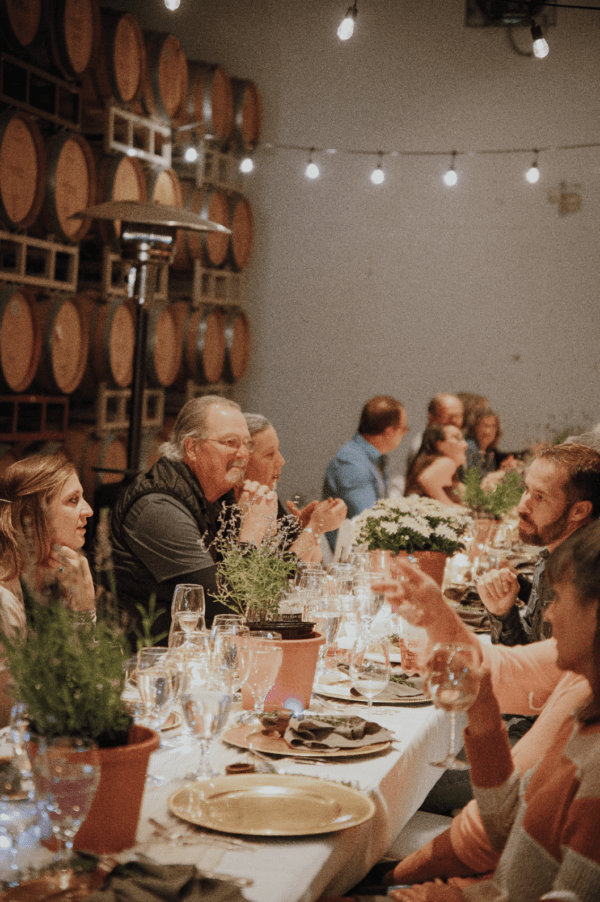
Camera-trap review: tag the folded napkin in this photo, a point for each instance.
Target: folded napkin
(411, 688)
(314, 732)
(147, 882)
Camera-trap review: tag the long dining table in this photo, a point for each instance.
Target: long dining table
(302, 868)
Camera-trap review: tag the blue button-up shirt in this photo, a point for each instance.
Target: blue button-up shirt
(357, 474)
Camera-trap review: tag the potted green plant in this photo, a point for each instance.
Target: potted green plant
(420, 527)
(251, 580)
(69, 674)
(493, 502)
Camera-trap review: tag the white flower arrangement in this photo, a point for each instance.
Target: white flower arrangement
(411, 524)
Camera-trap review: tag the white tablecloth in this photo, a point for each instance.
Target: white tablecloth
(301, 870)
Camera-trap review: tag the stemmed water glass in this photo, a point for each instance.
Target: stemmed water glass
(18, 812)
(453, 684)
(261, 658)
(206, 703)
(369, 601)
(187, 608)
(66, 774)
(225, 657)
(159, 684)
(370, 666)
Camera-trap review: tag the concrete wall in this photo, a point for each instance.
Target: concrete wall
(411, 288)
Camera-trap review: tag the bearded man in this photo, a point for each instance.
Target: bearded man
(562, 494)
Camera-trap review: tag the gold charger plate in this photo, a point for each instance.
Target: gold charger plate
(276, 745)
(344, 693)
(271, 805)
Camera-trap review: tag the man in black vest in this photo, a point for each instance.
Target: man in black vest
(163, 524)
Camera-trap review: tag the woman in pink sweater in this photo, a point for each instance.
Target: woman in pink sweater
(543, 825)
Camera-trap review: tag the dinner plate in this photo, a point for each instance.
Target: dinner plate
(344, 693)
(250, 736)
(271, 805)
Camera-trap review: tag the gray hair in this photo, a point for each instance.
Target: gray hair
(590, 439)
(256, 423)
(191, 423)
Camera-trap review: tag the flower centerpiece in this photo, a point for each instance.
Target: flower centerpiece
(422, 527)
(493, 502)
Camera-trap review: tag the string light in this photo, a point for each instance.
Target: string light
(540, 44)
(190, 154)
(172, 5)
(346, 26)
(312, 170)
(533, 173)
(450, 177)
(378, 175)
(247, 165)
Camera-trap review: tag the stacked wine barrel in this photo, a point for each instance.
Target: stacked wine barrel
(80, 343)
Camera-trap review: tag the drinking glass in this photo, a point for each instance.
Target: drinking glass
(225, 658)
(370, 667)
(66, 773)
(158, 683)
(18, 812)
(326, 613)
(414, 646)
(187, 608)
(369, 601)
(206, 704)
(225, 620)
(453, 684)
(262, 662)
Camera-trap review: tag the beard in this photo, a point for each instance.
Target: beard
(547, 534)
(235, 473)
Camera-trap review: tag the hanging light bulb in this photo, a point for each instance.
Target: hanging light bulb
(540, 44)
(246, 165)
(378, 175)
(346, 26)
(450, 177)
(533, 173)
(312, 170)
(172, 5)
(190, 154)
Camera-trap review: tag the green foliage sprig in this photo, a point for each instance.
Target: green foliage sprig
(69, 673)
(495, 501)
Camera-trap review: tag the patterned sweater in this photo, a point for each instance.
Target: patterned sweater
(547, 823)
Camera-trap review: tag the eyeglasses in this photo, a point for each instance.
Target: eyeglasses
(233, 443)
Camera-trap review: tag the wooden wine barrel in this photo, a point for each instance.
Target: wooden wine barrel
(163, 187)
(70, 186)
(246, 114)
(118, 67)
(64, 345)
(203, 338)
(120, 177)
(111, 342)
(20, 338)
(237, 344)
(165, 78)
(21, 23)
(241, 223)
(209, 247)
(22, 170)
(163, 347)
(74, 35)
(210, 101)
(88, 451)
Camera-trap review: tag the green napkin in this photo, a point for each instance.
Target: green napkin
(327, 732)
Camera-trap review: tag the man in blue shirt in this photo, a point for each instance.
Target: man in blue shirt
(357, 474)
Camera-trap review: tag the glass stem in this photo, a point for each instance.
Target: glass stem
(452, 734)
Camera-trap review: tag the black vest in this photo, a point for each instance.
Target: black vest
(134, 582)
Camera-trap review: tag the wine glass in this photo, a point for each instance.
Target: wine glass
(158, 683)
(263, 663)
(206, 703)
(370, 667)
(66, 773)
(187, 608)
(369, 602)
(453, 684)
(326, 613)
(225, 658)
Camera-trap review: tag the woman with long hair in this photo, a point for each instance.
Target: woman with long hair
(434, 471)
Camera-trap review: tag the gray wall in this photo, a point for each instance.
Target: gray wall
(410, 288)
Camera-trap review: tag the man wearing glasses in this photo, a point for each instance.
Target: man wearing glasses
(166, 519)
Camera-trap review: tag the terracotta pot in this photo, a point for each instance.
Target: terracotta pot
(431, 562)
(293, 686)
(111, 824)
